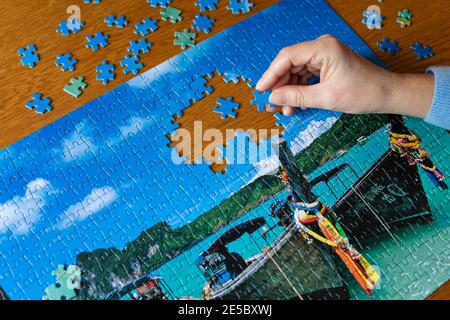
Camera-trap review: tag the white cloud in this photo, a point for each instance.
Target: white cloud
(265, 167)
(20, 214)
(77, 145)
(93, 203)
(144, 80)
(312, 132)
(134, 126)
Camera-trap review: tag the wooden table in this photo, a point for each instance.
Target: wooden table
(25, 22)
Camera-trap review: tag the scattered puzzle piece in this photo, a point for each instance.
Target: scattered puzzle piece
(390, 46)
(76, 86)
(185, 38)
(240, 6)
(65, 62)
(203, 23)
(161, 3)
(105, 72)
(141, 46)
(119, 21)
(146, 26)
(373, 20)
(39, 104)
(66, 29)
(28, 56)
(92, 1)
(422, 51)
(404, 18)
(131, 64)
(97, 41)
(227, 107)
(206, 5)
(261, 100)
(172, 14)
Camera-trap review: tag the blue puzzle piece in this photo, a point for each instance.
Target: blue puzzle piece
(200, 88)
(92, 1)
(99, 40)
(372, 20)
(131, 64)
(161, 3)
(119, 21)
(141, 46)
(261, 100)
(39, 104)
(422, 51)
(105, 72)
(28, 56)
(390, 46)
(203, 23)
(240, 6)
(206, 4)
(146, 26)
(226, 107)
(67, 29)
(65, 62)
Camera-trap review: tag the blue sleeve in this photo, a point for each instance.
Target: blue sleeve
(439, 114)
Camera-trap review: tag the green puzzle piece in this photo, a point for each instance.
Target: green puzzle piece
(184, 38)
(75, 87)
(67, 280)
(172, 14)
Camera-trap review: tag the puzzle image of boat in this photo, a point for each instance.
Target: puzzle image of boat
(105, 205)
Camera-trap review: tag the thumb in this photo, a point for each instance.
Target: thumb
(299, 96)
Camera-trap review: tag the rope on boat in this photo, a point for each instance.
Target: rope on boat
(266, 251)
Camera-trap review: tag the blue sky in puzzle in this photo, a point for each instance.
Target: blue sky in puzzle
(101, 175)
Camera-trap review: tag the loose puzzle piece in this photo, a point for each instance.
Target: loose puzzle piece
(39, 104)
(227, 107)
(171, 14)
(119, 21)
(65, 62)
(261, 100)
(404, 18)
(28, 56)
(161, 3)
(390, 46)
(68, 280)
(143, 46)
(373, 20)
(185, 38)
(97, 41)
(206, 5)
(105, 72)
(240, 6)
(422, 51)
(75, 87)
(146, 26)
(131, 64)
(203, 23)
(92, 1)
(66, 29)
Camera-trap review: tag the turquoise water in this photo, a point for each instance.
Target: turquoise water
(412, 267)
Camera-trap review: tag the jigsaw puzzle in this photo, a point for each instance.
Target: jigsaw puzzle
(103, 204)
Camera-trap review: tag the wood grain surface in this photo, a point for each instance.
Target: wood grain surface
(24, 22)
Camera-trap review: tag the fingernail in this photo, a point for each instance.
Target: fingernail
(278, 99)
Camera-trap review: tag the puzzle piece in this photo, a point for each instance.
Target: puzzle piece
(39, 104)
(422, 51)
(75, 87)
(65, 62)
(203, 23)
(66, 29)
(105, 72)
(206, 5)
(171, 14)
(390, 46)
(404, 18)
(28, 56)
(146, 26)
(143, 46)
(161, 3)
(119, 21)
(227, 108)
(131, 64)
(68, 279)
(240, 6)
(92, 1)
(185, 38)
(261, 100)
(373, 20)
(97, 41)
